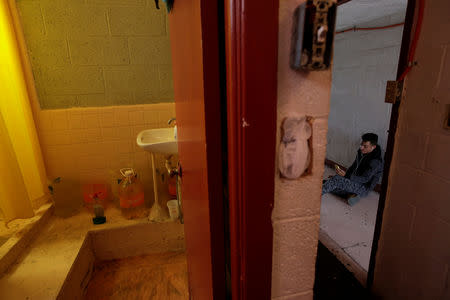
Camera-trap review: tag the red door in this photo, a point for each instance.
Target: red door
(196, 75)
(210, 108)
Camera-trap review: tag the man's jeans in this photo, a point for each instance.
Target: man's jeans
(343, 185)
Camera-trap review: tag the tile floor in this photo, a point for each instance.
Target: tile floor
(350, 227)
(154, 276)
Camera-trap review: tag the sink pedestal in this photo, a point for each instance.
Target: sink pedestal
(159, 140)
(157, 213)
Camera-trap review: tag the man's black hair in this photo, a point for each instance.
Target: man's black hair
(370, 137)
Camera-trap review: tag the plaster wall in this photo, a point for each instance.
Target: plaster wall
(355, 12)
(363, 62)
(413, 258)
(98, 52)
(296, 211)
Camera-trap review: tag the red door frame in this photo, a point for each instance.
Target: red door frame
(251, 37)
(251, 34)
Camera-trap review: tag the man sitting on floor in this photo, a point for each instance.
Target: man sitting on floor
(363, 174)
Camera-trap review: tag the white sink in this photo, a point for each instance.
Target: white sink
(161, 140)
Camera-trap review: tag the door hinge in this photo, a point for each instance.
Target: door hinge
(394, 90)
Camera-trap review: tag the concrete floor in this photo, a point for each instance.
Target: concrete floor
(351, 228)
(154, 276)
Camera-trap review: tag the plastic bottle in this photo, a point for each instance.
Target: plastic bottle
(99, 210)
(92, 190)
(131, 195)
(67, 196)
(172, 183)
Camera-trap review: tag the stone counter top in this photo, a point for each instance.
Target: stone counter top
(42, 268)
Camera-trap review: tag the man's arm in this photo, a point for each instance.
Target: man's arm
(367, 175)
(350, 170)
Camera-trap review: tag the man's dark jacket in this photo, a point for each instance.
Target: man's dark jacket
(367, 169)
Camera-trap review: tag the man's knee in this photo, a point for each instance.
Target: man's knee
(331, 184)
(338, 179)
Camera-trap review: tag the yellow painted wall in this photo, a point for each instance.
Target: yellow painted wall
(102, 69)
(98, 52)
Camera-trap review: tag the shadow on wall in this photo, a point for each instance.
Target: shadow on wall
(338, 139)
(342, 146)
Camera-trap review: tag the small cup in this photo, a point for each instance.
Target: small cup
(174, 211)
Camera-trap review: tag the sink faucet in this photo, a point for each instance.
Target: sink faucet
(171, 120)
(175, 130)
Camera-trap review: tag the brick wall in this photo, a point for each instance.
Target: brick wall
(98, 52)
(88, 57)
(414, 255)
(363, 62)
(296, 211)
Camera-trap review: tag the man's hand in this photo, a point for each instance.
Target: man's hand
(339, 171)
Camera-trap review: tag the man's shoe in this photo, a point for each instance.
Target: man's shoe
(353, 199)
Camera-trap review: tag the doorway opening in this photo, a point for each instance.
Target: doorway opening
(366, 55)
